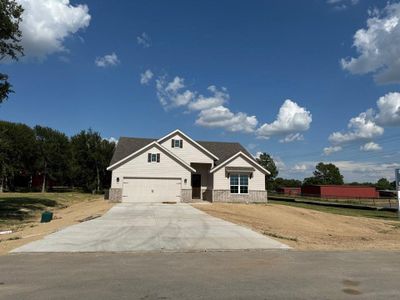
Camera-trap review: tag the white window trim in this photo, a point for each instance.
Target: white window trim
(175, 143)
(238, 185)
(153, 155)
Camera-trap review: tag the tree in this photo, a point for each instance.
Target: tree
(10, 37)
(91, 156)
(282, 182)
(53, 155)
(383, 184)
(18, 152)
(325, 174)
(266, 161)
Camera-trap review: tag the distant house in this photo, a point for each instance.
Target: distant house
(177, 168)
(340, 191)
(289, 190)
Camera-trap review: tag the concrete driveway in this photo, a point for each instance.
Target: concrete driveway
(139, 227)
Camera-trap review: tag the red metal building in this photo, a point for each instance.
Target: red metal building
(340, 191)
(289, 190)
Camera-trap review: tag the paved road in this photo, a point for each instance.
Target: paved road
(270, 274)
(130, 227)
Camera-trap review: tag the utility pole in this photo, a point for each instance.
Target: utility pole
(397, 178)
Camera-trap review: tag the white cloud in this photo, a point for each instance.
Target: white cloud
(144, 40)
(389, 110)
(378, 46)
(146, 77)
(170, 94)
(175, 85)
(341, 4)
(291, 119)
(108, 60)
(112, 140)
(46, 24)
(218, 98)
(332, 149)
(362, 127)
(360, 171)
(292, 137)
(370, 146)
(222, 117)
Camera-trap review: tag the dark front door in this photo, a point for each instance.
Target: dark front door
(196, 186)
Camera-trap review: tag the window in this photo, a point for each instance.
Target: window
(176, 143)
(239, 184)
(153, 157)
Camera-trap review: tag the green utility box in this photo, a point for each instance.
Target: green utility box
(47, 216)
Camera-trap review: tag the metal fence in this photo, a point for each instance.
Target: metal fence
(374, 202)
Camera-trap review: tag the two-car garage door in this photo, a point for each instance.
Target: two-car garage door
(151, 189)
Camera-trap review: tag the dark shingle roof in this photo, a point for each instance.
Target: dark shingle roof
(223, 150)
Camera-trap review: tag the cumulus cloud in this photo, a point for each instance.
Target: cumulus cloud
(332, 149)
(171, 94)
(292, 137)
(217, 98)
(362, 127)
(371, 146)
(146, 76)
(378, 46)
(291, 120)
(108, 60)
(46, 24)
(389, 110)
(341, 4)
(144, 40)
(112, 140)
(222, 117)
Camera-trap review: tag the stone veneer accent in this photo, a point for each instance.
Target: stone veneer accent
(251, 197)
(115, 195)
(186, 195)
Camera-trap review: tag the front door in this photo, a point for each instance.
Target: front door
(196, 186)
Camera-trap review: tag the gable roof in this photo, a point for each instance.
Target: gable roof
(250, 159)
(127, 146)
(141, 150)
(223, 150)
(177, 131)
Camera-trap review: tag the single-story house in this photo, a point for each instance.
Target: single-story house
(179, 169)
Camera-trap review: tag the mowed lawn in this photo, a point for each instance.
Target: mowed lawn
(306, 227)
(21, 212)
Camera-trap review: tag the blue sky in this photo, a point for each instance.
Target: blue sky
(277, 76)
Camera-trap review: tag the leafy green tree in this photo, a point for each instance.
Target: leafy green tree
(18, 152)
(325, 174)
(10, 37)
(53, 155)
(268, 163)
(282, 182)
(383, 184)
(91, 156)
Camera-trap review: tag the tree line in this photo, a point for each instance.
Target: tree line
(48, 156)
(323, 174)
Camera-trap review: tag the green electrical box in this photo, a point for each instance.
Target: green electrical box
(47, 216)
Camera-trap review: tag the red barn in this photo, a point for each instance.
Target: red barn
(340, 191)
(289, 190)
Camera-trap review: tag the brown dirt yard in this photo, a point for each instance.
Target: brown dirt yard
(20, 212)
(307, 229)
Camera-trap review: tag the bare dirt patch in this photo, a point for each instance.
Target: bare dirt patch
(63, 217)
(306, 229)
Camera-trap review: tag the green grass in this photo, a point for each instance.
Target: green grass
(17, 209)
(386, 215)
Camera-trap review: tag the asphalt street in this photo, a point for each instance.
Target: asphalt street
(272, 274)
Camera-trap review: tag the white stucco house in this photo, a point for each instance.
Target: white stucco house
(179, 169)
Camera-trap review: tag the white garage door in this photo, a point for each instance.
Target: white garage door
(151, 190)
